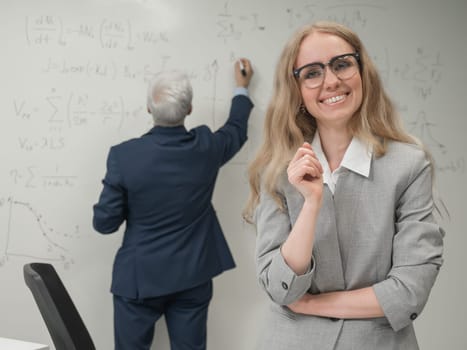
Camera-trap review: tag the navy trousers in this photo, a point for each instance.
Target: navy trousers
(185, 313)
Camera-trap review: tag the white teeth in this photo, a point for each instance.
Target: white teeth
(334, 99)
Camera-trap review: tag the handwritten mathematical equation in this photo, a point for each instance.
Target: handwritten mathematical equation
(43, 30)
(47, 29)
(73, 67)
(33, 176)
(424, 71)
(233, 26)
(353, 15)
(70, 111)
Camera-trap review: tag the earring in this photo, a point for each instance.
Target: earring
(303, 110)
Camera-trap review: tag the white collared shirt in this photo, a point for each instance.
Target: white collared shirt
(357, 158)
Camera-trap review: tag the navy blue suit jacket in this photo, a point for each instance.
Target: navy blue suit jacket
(161, 185)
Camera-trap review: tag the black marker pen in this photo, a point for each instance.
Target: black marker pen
(242, 68)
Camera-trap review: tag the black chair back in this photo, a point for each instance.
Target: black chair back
(66, 328)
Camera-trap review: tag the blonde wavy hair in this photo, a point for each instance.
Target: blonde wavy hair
(287, 126)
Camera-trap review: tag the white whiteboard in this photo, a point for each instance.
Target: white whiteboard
(74, 81)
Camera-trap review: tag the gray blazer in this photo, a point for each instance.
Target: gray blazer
(377, 231)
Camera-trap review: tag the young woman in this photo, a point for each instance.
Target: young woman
(347, 246)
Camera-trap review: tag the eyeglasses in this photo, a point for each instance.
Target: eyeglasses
(343, 66)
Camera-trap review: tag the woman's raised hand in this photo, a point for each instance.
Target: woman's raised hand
(306, 174)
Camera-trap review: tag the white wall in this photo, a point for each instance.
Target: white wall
(74, 79)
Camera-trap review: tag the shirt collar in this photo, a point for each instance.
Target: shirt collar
(357, 157)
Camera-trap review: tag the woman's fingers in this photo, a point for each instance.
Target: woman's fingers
(306, 157)
(300, 168)
(303, 150)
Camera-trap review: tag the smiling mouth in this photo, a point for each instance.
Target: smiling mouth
(334, 99)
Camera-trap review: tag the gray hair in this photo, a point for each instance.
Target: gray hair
(169, 98)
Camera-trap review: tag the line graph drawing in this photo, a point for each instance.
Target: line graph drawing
(28, 234)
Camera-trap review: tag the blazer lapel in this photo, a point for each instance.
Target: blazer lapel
(348, 200)
(326, 249)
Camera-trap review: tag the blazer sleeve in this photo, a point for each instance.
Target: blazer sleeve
(417, 251)
(233, 134)
(278, 280)
(111, 209)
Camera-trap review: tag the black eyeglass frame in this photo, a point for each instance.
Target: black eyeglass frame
(296, 72)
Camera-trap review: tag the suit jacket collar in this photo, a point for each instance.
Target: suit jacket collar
(166, 130)
(169, 135)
